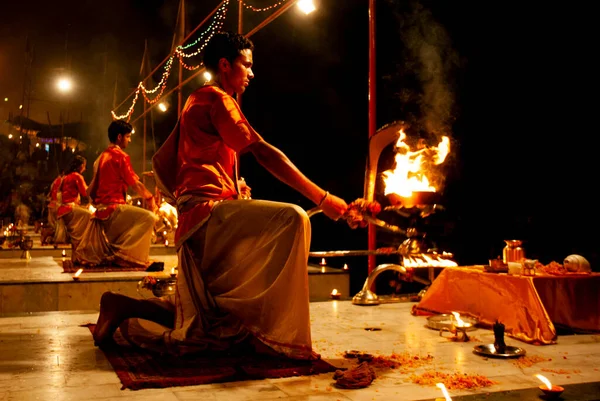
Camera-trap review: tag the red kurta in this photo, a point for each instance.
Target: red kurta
(114, 174)
(73, 186)
(54, 192)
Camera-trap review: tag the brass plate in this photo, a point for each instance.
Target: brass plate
(489, 351)
(445, 320)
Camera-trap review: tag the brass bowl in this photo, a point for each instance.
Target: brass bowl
(164, 287)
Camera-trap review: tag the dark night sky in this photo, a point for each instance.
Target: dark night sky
(509, 83)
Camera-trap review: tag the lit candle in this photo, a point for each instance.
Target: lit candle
(76, 275)
(323, 262)
(64, 253)
(547, 388)
(442, 387)
(345, 266)
(335, 294)
(164, 233)
(167, 243)
(173, 274)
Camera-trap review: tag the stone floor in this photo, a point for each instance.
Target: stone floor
(49, 356)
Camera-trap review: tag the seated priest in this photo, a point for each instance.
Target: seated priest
(118, 233)
(54, 232)
(74, 216)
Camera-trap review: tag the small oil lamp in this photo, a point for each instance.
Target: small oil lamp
(323, 262)
(166, 243)
(442, 387)
(460, 326)
(76, 275)
(173, 272)
(345, 266)
(64, 253)
(551, 391)
(335, 294)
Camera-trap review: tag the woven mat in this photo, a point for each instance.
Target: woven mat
(69, 267)
(138, 369)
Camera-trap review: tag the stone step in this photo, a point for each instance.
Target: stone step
(39, 284)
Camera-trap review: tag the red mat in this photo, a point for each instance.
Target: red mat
(138, 369)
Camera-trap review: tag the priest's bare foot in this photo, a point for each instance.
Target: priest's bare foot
(111, 316)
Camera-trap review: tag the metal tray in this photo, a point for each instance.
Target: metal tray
(445, 321)
(490, 351)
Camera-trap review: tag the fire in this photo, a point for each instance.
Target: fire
(545, 381)
(459, 321)
(428, 260)
(76, 275)
(410, 173)
(442, 387)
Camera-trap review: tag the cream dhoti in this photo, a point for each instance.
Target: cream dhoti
(238, 277)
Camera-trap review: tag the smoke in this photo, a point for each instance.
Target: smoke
(424, 71)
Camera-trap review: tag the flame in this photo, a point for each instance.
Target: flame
(409, 176)
(428, 260)
(172, 271)
(91, 208)
(459, 321)
(444, 391)
(544, 380)
(78, 273)
(166, 242)
(64, 253)
(345, 266)
(323, 262)
(334, 292)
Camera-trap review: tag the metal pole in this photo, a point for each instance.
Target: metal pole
(182, 34)
(372, 121)
(240, 31)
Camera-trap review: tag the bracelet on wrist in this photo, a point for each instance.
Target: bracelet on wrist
(323, 199)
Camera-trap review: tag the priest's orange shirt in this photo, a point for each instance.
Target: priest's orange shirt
(54, 192)
(212, 130)
(73, 186)
(199, 158)
(114, 175)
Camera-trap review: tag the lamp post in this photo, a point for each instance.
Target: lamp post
(64, 85)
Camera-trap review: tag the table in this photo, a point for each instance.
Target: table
(528, 306)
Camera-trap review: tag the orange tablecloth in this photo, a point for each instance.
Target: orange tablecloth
(527, 306)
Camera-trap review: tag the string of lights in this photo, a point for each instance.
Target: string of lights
(201, 41)
(256, 9)
(215, 26)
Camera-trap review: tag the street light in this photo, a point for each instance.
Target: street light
(306, 6)
(64, 84)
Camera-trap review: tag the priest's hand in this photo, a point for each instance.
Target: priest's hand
(151, 204)
(333, 207)
(244, 189)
